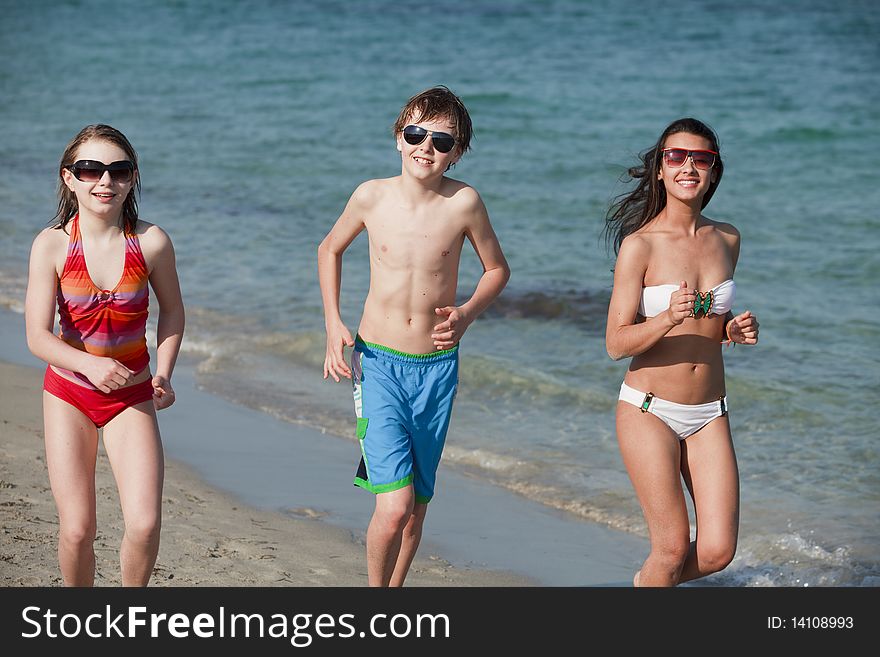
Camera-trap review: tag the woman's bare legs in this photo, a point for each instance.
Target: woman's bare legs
(712, 477)
(652, 456)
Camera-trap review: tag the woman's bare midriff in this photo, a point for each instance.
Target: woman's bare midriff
(685, 366)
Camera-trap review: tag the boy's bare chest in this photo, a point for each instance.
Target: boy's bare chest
(429, 242)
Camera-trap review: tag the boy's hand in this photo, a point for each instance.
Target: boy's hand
(448, 333)
(334, 362)
(742, 329)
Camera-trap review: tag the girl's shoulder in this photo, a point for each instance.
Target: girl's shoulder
(146, 230)
(52, 238)
(152, 238)
(50, 248)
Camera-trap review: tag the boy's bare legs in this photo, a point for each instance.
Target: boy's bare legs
(385, 533)
(412, 535)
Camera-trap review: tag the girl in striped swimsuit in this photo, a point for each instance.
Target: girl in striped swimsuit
(96, 264)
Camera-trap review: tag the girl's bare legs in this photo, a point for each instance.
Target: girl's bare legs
(71, 450)
(134, 449)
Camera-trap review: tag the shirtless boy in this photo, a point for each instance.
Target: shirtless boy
(404, 363)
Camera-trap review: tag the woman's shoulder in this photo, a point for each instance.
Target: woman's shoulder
(635, 252)
(725, 230)
(637, 243)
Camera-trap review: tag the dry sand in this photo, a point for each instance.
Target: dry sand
(208, 537)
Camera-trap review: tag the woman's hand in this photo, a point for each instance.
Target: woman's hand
(681, 304)
(742, 329)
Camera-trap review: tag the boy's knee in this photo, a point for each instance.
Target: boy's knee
(416, 520)
(394, 512)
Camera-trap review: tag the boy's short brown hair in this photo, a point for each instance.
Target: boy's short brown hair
(438, 102)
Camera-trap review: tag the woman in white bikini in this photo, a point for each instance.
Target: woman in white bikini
(670, 311)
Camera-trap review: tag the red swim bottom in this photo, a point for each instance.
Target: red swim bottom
(98, 406)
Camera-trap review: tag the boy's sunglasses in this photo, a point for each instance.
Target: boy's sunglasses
(92, 170)
(443, 141)
(676, 157)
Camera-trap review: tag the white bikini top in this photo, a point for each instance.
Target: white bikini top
(717, 301)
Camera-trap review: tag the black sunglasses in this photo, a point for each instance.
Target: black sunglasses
(443, 141)
(92, 170)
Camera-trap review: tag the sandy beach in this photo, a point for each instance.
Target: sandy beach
(208, 538)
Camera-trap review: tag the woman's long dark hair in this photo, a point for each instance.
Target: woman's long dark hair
(632, 210)
(67, 204)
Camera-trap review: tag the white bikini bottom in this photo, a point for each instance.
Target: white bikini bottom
(683, 419)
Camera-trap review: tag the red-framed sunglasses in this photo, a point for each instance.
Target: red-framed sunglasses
(676, 157)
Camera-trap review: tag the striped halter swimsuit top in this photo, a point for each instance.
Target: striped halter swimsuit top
(109, 323)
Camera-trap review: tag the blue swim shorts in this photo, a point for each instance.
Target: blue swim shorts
(403, 404)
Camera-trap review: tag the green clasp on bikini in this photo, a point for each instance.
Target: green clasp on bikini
(703, 303)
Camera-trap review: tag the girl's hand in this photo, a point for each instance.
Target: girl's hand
(106, 374)
(163, 393)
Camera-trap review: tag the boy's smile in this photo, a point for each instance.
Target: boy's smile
(423, 158)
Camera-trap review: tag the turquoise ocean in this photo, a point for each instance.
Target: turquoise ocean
(255, 120)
